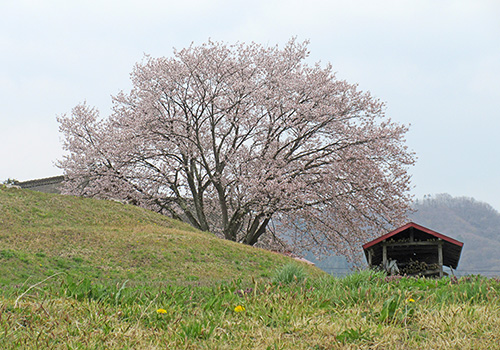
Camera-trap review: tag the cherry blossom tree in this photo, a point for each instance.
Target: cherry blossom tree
(238, 139)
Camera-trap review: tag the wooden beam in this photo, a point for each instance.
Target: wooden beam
(401, 244)
(370, 256)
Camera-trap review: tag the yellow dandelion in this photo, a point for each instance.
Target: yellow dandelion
(239, 308)
(410, 300)
(161, 311)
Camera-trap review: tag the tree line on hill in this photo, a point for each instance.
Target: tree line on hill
(475, 223)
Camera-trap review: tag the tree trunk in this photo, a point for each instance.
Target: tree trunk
(257, 229)
(234, 225)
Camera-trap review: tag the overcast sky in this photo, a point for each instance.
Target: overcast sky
(435, 63)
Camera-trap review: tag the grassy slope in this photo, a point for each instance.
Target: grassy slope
(135, 280)
(42, 234)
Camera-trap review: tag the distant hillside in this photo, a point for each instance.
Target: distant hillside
(475, 223)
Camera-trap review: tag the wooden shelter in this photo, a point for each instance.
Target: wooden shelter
(414, 250)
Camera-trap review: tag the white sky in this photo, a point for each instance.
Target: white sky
(435, 63)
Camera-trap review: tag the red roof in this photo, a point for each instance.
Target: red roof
(418, 227)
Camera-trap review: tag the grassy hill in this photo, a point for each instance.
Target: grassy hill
(84, 274)
(42, 234)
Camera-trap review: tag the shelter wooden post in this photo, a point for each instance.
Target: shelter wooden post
(440, 257)
(384, 254)
(370, 255)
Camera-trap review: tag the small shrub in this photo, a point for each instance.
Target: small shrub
(289, 273)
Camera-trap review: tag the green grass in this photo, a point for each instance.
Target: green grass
(118, 277)
(317, 313)
(42, 234)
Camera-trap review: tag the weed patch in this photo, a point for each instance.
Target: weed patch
(290, 273)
